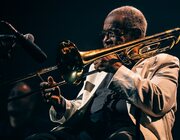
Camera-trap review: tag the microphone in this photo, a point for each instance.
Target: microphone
(29, 36)
(27, 43)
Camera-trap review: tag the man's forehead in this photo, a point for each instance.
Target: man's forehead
(115, 21)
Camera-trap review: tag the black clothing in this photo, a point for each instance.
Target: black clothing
(102, 120)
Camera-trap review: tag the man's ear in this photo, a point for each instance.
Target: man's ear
(136, 33)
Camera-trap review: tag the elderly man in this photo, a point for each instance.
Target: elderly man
(121, 102)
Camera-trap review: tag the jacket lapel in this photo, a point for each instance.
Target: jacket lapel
(92, 83)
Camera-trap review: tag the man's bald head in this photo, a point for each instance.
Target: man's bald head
(129, 17)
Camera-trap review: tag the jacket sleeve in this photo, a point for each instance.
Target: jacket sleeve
(69, 109)
(156, 95)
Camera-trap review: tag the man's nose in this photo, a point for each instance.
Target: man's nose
(107, 41)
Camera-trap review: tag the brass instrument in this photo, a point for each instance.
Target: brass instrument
(71, 61)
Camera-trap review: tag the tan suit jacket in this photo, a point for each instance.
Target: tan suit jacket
(151, 85)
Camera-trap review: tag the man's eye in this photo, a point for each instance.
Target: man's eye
(111, 34)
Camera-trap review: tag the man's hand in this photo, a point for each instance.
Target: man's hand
(110, 63)
(52, 94)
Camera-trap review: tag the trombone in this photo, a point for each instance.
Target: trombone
(71, 62)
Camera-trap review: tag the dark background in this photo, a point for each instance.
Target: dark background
(79, 21)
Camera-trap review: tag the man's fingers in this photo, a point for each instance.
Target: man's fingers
(51, 81)
(54, 91)
(55, 99)
(47, 95)
(49, 90)
(100, 64)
